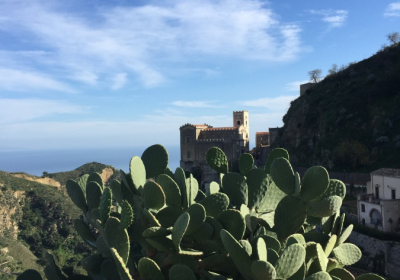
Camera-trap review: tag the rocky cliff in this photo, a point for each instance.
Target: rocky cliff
(350, 121)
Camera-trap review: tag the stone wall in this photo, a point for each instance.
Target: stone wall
(381, 257)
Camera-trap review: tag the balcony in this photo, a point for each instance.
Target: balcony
(368, 198)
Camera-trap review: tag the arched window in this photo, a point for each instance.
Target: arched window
(187, 139)
(238, 122)
(362, 207)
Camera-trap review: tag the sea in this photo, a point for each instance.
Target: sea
(52, 161)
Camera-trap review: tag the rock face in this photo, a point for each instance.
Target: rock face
(349, 121)
(45, 181)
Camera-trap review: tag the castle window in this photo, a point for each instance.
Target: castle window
(237, 117)
(187, 139)
(188, 154)
(393, 194)
(238, 122)
(362, 207)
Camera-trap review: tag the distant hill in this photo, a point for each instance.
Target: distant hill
(350, 121)
(36, 214)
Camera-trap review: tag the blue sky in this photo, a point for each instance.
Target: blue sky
(98, 74)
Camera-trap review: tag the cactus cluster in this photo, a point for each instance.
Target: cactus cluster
(256, 224)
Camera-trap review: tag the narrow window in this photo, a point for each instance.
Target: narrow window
(188, 154)
(377, 192)
(393, 194)
(187, 139)
(362, 207)
(238, 122)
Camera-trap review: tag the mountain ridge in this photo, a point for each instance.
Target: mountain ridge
(347, 121)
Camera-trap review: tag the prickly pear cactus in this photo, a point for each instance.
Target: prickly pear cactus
(258, 224)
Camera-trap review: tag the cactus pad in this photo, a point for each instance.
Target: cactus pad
(261, 249)
(179, 230)
(314, 184)
(29, 274)
(93, 194)
(297, 184)
(84, 232)
(290, 261)
(321, 275)
(213, 188)
(155, 160)
(95, 177)
(76, 194)
(263, 270)
(275, 153)
(105, 204)
(283, 175)
(117, 237)
(299, 275)
(237, 253)
(138, 173)
(171, 190)
(153, 195)
(149, 270)
(345, 234)
(235, 187)
(181, 272)
(257, 182)
(233, 222)
(272, 242)
(197, 217)
(217, 160)
(122, 270)
(168, 215)
(192, 189)
(347, 253)
(342, 274)
(336, 187)
(246, 162)
(126, 214)
(290, 215)
(215, 204)
(325, 207)
(330, 245)
(273, 196)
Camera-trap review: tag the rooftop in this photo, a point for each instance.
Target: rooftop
(391, 172)
(262, 133)
(220, 128)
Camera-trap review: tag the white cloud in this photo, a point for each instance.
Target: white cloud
(392, 10)
(278, 104)
(14, 111)
(141, 40)
(119, 81)
(17, 80)
(156, 128)
(195, 104)
(295, 86)
(334, 18)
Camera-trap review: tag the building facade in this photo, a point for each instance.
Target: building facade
(196, 139)
(380, 207)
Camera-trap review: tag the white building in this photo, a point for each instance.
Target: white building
(380, 207)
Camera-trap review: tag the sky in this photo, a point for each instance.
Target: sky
(100, 74)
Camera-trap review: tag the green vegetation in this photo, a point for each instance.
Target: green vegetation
(155, 224)
(348, 120)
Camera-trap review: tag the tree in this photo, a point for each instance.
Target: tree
(333, 70)
(315, 75)
(393, 37)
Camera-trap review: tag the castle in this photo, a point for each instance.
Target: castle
(196, 139)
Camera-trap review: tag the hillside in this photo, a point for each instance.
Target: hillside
(36, 214)
(350, 120)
